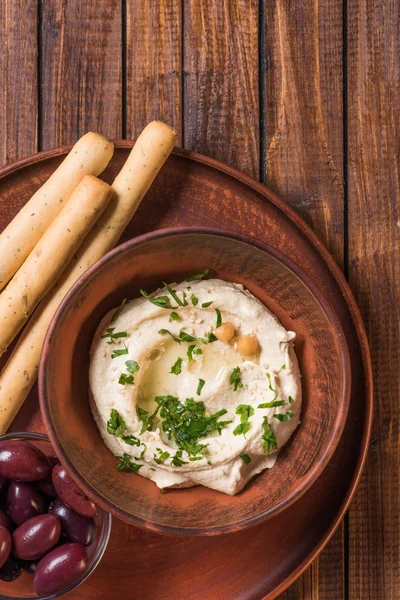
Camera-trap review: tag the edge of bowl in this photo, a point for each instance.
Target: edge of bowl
(314, 472)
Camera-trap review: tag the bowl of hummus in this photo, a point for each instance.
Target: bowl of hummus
(195, 382)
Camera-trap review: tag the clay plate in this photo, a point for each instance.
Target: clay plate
(172, 255)
(258, 563)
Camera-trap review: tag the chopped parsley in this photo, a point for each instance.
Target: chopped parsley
(193, 350)
(116, 426)
(283, 367)
(290, 399)
(245, 411)
(200, 386)
(125, 379)
(186, 337)
(113, 336)
(161, 456)
(245, 458)
(177, 366)
(284, 416)
(271, 404)
(127, 465)
(194, 300)
(132, 366)
(269, 440)
(219, 318)
(198, 275)
(270, 386)
(175, 296)
(177, 459)
(211, 338)
(116, 353)
(119, 310)
(185, 423)
(207, 304)
(167, 332)
(174, 317)
(146, 419)
(162, 301)
(235, 379)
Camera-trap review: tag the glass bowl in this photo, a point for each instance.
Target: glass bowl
(22, 588)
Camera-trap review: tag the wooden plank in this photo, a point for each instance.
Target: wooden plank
(221, 94)
(153, 64)
(304, 112)
(374, 272)
(304, 164)
(18, 79)
(81, 70)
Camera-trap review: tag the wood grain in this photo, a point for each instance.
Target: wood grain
(18, 79)
(303, 82)
(153, 64)
(221, 100)
(81, 71)
(374, 260)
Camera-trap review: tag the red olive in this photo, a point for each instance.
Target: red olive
(24, 502)
(35, 537)
(70, 494)
(5, 545)
(46, 486)
(76, 527)
(21, 461)
(58, 569)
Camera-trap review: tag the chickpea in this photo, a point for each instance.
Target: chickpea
(247, 345)
(225, 332)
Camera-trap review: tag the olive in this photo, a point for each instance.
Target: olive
(5, 520)
(46, 486)
(76, 527)
(70, 494)
(11, 569)
(5, 545)
(58, 569)
(35, 537)
(24, 502)
(21, 461)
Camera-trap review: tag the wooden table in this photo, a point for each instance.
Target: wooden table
(302, 94)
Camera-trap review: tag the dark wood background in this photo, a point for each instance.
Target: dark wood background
(303, 94)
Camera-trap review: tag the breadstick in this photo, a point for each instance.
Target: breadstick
(50, 256)
(20, 372)
(91, 154)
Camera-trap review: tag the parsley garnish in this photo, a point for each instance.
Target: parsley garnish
(132, 366)
(177, 459)
(198, 276)
(290, 400)
(167, 332)
(116, 426)
(119, 310)
(174, 316)
(269, 439)
(193, 350)
(162, 301)
(186, 422)
(194, 300)
(113, 336)
(235, 380)
(161, 456)
(283, 367)
(219, 318)
(175, 296)
(284, 416)
(245, 411)
(207, 304)
(186, 337)
(211, 338)
(125, 379)
(270, 386)
(116, 353)
(200, 386)
(177, 366)
(271, 404)
(245, 458)
(127, 465)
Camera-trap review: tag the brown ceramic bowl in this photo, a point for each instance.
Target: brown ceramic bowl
(170, 255)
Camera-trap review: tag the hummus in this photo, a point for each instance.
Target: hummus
(181, 407)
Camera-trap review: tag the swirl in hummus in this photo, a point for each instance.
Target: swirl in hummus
(196, 383)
